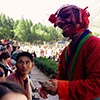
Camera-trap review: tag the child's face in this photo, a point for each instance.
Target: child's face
(14, 96)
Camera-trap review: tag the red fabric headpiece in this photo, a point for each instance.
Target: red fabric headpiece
(52, 18)
(84, 15)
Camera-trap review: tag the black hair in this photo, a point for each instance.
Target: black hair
(23, 53)
(4, 55)
(10, 86)
(8, 45)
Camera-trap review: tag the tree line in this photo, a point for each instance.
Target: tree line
(25, 30)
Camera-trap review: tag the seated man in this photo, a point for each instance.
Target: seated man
(24, 64)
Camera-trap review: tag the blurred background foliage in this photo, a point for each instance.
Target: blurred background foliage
(24, 30)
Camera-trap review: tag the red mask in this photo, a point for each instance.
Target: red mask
(67, 17)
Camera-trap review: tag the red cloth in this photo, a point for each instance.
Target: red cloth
(85, 83)
(63, 95)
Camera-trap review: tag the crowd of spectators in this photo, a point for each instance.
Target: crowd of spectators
(47, 50)
(9, 65)
(16, 61)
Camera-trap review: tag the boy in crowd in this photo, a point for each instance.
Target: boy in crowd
(24, 64)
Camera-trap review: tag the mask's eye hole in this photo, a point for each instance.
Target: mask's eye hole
(63, 15)
(60, 25)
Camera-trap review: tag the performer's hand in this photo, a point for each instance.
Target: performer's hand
(50, 86)
(42, 93)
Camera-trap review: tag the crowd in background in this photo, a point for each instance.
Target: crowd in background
(15, 65)
(9, 51)
(48, 50)
(6, 60)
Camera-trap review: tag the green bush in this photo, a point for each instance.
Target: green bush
(47, 66)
